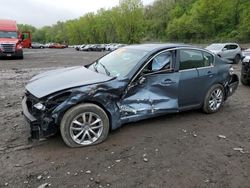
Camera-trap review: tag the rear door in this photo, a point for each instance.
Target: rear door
(207, 74)
(188, 83)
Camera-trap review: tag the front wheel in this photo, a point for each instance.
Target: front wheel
(84, 125)
(214, 99)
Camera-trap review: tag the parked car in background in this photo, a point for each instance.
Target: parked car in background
(37, 45)
(116, 46)
(230, 51)
(79, 47)
(98, 47)
(127, 85)
(245, 70)
(87, 47)
(57, 45)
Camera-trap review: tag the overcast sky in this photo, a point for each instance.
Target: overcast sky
(47, 12)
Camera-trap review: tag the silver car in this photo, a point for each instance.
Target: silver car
(230, 51)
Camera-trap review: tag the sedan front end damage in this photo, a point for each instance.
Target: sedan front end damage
(130, 84)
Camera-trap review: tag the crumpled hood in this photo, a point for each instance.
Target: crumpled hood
(65, 78)
(8, 40)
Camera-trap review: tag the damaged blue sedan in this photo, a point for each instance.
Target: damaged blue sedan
(130, 84)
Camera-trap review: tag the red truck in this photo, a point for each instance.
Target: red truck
(12, 41)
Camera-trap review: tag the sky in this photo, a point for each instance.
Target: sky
(47, 12)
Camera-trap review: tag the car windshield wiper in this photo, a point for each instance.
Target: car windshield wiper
(106, 70)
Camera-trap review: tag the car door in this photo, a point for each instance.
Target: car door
(207, 74)
(153, 91)
(189, 84)
(226, 52)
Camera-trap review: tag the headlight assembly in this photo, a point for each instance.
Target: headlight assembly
(39, 106)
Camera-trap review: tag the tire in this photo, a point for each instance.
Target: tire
(209, 105)
(70, 127)
(237, 59)
(244, 81)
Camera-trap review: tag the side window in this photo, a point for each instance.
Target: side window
(208, 59)
(227, 47)
(190, 59)
(233, 47)
(163, 61)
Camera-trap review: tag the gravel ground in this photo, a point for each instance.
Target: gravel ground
(178, 150)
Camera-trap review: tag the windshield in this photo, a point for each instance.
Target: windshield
(216, 47)
(8, 34)
(118, 63)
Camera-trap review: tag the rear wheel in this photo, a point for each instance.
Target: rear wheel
(84, 125)
(214, 99)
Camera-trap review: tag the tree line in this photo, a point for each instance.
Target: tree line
(163, 20)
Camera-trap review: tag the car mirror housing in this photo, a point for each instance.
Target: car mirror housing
(224, 49)
(142, 80)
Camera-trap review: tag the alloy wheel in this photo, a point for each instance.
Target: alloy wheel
(215, 99)
(86, 128)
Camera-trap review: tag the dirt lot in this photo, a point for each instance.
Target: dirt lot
(180, 150)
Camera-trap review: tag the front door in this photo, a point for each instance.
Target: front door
(154, 91)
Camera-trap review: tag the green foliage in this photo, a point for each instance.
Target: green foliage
(163, 20)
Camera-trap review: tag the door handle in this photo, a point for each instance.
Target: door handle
(167, 82)
(210, 74)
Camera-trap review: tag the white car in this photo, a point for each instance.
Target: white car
(230, 51)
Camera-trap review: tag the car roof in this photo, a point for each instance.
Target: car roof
(153, 47)
(226, 44)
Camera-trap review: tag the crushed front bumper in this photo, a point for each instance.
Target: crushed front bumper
(39, 127)
(32, 121)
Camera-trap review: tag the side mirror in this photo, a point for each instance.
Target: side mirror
(142, 80)
(224, 49)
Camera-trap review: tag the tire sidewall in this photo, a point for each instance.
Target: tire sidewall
(74, 112)
(206, 107)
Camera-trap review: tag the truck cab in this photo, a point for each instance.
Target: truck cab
(11, 40)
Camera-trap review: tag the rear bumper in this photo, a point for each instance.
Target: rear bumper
(232, 85)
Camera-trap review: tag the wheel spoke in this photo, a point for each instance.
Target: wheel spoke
(212, 104)
(93, 132)
(83, 137)
(218, 93)
(90, 138)
(84, 117)
(79, 134)
(76, 128)
(96, 127)
(95, 122)
(90, 117)
(77, 123)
